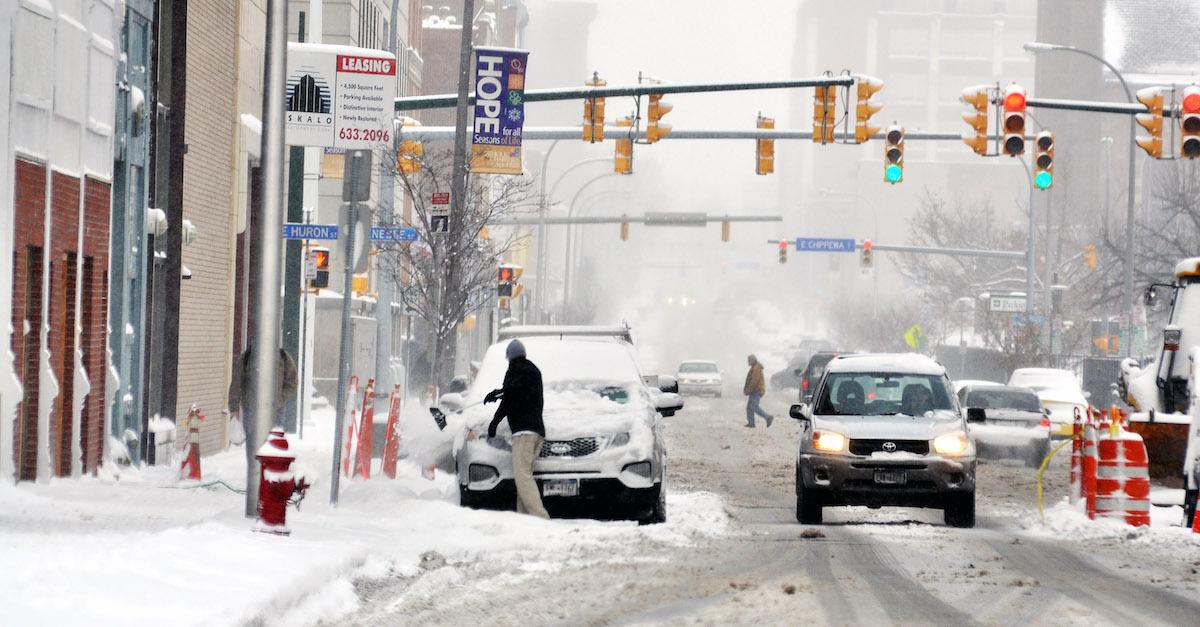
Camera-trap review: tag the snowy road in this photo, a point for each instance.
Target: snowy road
(888, 566)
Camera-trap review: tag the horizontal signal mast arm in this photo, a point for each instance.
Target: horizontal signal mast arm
(444, 101)
(432, 133)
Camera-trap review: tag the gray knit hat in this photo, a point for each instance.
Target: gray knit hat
(515, 349)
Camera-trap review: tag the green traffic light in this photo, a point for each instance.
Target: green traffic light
(1043, 180)
(893, 173)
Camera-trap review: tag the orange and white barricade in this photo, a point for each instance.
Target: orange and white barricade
(351, 435)
(1076, 457)
(366, 432)
(1122, 477)
(391, 442)
(190, 468)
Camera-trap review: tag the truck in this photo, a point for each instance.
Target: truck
(1159, 392)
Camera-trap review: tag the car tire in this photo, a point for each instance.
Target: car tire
(960, 510)
(658, 515)
(809, 510)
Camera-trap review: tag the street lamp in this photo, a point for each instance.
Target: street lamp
(1035, 47)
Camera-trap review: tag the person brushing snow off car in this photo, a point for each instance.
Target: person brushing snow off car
(521, 402)
(754, 389)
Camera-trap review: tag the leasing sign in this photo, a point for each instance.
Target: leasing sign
(340, 96)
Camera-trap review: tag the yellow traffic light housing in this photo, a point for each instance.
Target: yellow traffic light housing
(623, 160)
(1152, 121)
(893, 155)
(593, 113)
(725, 231)
(1189, 105)
(1043, 160)
(655, 129)
(624, 231)
(1014, 121)
(764, 149)
(824, 113)
(409, 152)
(865, 108)
(977, 117)
(1089, 256)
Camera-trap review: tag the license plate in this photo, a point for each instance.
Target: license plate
(560, 487)
(890, 477)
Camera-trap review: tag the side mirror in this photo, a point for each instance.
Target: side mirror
(976, 414)
(1045, 412)
(799, 411)
(668, 383)
(451, 402)
(668, 403)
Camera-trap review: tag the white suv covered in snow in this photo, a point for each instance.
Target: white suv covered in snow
(884, 430)
(604, 451)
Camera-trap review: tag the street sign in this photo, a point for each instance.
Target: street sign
(1008, 304)
(439, 213)
(295, 230)
(825, 245)
(914, 337)
(675, 218)
(393, 234)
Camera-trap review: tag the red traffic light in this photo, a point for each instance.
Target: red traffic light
(506, 275)
(1191, 102)
(783, 245)
(1014, 101)
(867, 244)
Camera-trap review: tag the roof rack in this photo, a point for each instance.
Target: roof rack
(621, 332)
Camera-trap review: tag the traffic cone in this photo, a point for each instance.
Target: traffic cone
(362, 461)
(191, 463)
(351, 427)
(1076, 458)
(391, 442)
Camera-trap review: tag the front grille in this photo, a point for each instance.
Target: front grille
(579, 447)
(866, 447)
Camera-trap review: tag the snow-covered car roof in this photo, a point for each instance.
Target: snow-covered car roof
(909, 363)
(1057, 372)
(697, 361)
(962, 383)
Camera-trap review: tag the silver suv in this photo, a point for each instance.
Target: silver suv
(604, 452)
(884, 430)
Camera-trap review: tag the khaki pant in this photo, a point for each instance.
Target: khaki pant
(525, 449)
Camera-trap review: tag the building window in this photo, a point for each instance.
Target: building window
(372, 27)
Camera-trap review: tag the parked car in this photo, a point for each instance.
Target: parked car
(884, 430)
(811, 375)
(789, 377)
(699, 377)
(1006, 422)
(604, 451)
(1058, 391)
(962, 383)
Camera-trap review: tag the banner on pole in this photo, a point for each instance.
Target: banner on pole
(499, 110)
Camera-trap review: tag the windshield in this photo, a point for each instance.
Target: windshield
(697, 366)
(1003, 399)
(606, 367)
(883, 393)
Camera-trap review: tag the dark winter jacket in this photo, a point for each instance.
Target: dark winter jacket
(522, 400)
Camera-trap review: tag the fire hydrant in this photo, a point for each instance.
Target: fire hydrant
(277, 483)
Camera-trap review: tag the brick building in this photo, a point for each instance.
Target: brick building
(55, 186)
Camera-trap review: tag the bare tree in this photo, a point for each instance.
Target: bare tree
(444, 277)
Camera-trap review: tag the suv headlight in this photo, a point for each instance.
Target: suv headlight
(620, 439)
(951, 443)
(829, 441)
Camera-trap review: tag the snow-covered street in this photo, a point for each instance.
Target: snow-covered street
(136, 548)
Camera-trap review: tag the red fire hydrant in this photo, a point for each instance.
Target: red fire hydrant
(276, 483)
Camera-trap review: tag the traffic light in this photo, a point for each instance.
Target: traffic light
(623, 162)
(1189, 148)
(409, 152)
(764, 149)
(506, 280)
(824, 113)
(320, 256)
(655, 129)
(867, 87)
(624, 231)
(1043, 161)
(1089, 256)
(1152, 97)
(593, 113)
(976, 118)
(1014, 120)
(783, 247)
(867, 260)
(893, 155)
(725, 231)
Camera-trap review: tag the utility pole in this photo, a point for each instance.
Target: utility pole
(387, 200)
(458, 185)
(264, 364)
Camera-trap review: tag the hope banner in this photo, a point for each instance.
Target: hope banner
(499, 110)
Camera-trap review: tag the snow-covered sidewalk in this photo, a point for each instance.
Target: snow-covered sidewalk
(135, 547)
